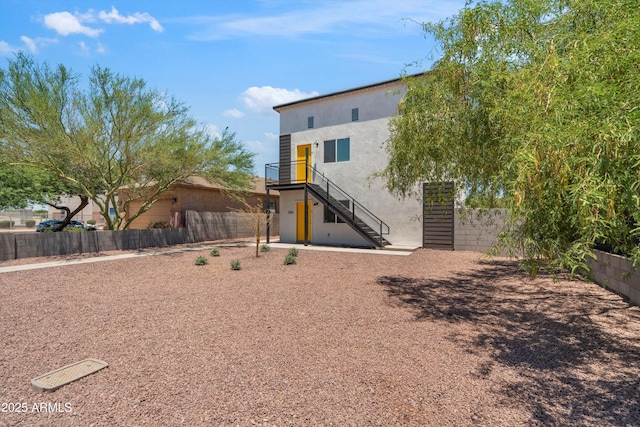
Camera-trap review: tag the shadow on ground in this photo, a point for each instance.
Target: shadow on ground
(575, 348)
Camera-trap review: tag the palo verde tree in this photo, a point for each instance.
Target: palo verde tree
(535, 101)
(111, 134)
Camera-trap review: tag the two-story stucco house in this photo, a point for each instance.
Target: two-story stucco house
(330, 145)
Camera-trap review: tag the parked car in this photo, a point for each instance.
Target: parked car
(50, 224)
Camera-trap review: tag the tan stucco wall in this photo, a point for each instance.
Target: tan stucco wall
(189, 198)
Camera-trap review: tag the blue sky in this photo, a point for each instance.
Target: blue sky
(230, 61)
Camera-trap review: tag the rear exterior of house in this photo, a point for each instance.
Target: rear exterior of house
(330, 146)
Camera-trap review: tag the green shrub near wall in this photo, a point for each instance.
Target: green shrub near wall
(7, 223)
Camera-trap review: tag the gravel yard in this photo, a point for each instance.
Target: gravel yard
(435, 338)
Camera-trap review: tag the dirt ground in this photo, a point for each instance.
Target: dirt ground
(435, 338)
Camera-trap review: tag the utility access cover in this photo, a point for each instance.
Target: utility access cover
(62, 376)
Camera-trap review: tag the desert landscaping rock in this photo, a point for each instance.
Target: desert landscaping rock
(434, 338)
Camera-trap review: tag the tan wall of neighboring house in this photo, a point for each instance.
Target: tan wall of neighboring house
(181, 198)
(159, 212)
(208, 200)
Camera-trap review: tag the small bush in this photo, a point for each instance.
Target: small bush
(158, 224)
(293, 252)
(30, 223)
(91, 221)
(214, 251)
(201, 260)
(265, 248)
(235, 264)
(289, 260)
(7, 224)
(73, 229)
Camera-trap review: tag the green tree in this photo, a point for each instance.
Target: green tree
(109, 134)
(535, 101)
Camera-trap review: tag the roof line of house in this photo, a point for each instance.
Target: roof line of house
(342, 92)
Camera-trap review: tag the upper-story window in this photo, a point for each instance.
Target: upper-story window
(310, 122)
(355, 115)
(337, 150)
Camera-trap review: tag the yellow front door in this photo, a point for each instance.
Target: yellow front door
(303, 159)
(300, 221)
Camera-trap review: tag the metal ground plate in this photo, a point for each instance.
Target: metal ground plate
(62, 376)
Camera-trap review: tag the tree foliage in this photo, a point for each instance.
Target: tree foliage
(535, 101)
(111, 133)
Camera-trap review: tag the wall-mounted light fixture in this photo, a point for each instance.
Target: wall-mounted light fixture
(317, 144)
(174, 199)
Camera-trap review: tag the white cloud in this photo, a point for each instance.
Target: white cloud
(235, 113)
(271, 136)
(84, 49)
(212, 130)
(5, 48)
(262, 99)
(29, 44)
(136, 18)
(65, 23)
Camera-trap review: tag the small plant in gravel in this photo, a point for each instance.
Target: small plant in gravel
(293, 252)
(289, 260)
(265, 248)
(201, 260)
(215, 251)
(235, 264)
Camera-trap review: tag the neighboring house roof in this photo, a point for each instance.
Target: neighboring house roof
(197, 181)
(344, 92)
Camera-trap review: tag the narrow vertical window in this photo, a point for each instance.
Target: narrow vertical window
(354, 115)
(310, 122)
(330, 151)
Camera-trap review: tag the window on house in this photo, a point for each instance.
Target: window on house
(330, 217)
(310, 122)
(354, 115)
(337, 150)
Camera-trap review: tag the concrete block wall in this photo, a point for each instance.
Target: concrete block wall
(475, 231)
(615, 273)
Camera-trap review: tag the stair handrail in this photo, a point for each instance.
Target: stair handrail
(310, 176)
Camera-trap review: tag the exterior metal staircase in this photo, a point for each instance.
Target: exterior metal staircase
(345, 207)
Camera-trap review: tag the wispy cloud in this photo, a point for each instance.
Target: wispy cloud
(136, 18)
(66, 23)
(31, 45)
(262, 99)
(353, 17)
(235, 113)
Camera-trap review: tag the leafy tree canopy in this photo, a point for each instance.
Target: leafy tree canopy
(535, 102)
(112, 133)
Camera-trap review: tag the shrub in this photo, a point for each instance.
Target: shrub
(265, 248)
(30, 223)
(91, 221)
(289, 259)
(72, 229)
(214, 251)
(201, 260)
(293, 252)
(235, 264)
(158, 224)
(7, 224)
